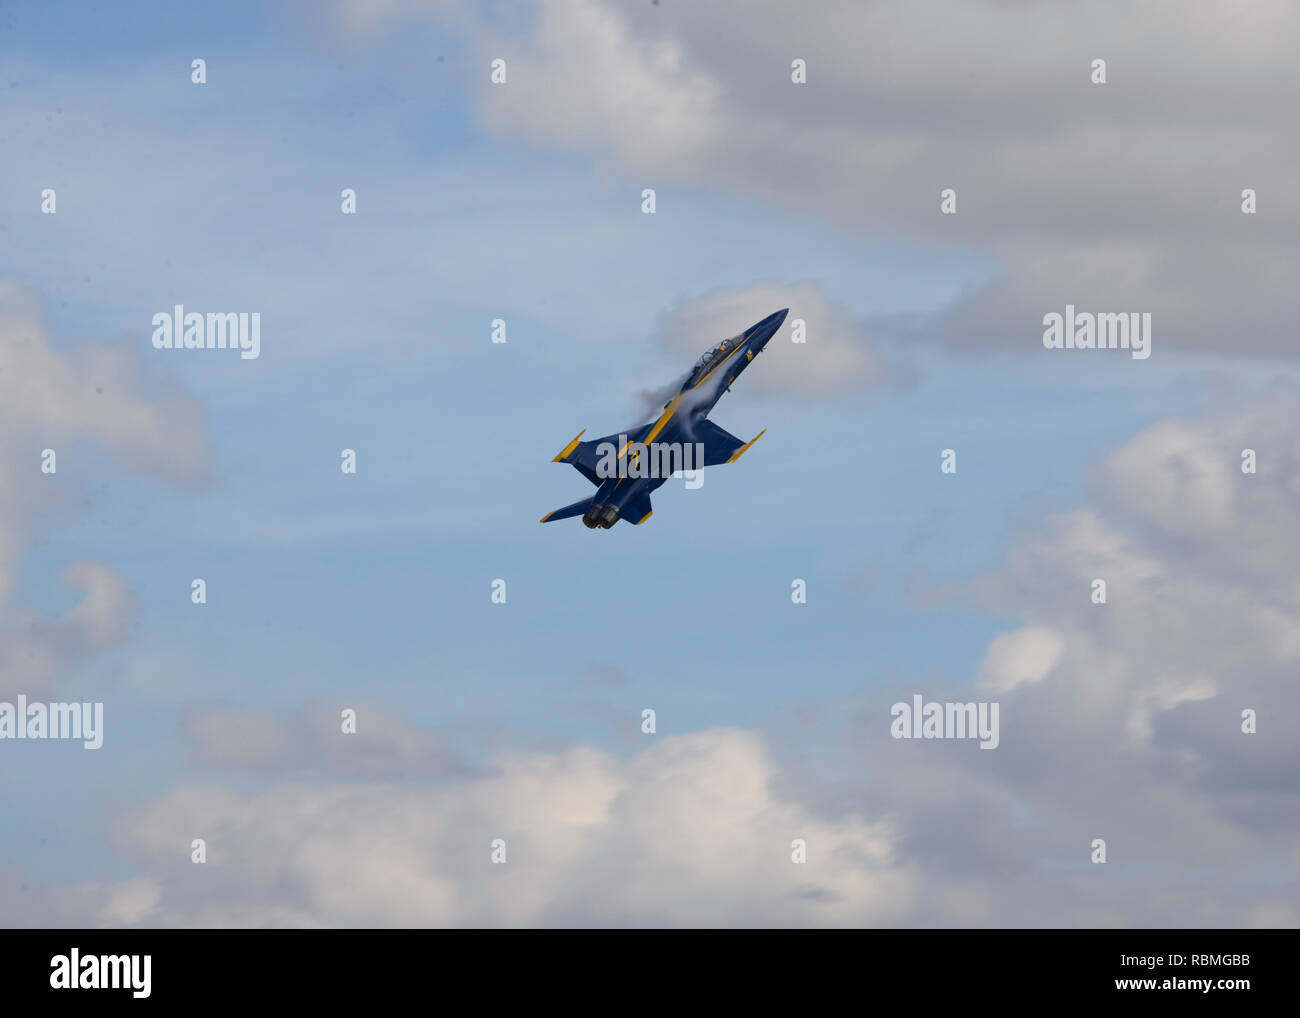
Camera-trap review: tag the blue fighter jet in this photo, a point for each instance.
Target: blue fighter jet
(626, 468)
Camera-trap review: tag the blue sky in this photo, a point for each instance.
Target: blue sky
(318, 580)
(374, 588)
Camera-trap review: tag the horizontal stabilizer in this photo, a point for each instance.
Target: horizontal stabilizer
(576, 509)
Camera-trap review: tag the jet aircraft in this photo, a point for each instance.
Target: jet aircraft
(627, 467)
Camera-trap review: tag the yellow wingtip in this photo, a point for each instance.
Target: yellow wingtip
(745, 448)
(564, 453)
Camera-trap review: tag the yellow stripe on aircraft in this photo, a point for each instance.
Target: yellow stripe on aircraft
(664, 418)
(564, 453)
(667, 415)
(744, 448)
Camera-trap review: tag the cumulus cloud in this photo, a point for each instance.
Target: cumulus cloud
(1119, 720)
(836, 357)
(1019, 657)
(57, 398)
(1123, 720)
(686, 832)
(38, 650)
(652, 103)
(1117, 197)
(1199, 560)
(93, 392)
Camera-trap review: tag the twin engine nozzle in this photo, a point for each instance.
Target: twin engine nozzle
(603, 516)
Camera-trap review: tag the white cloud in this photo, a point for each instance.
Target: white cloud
(1095, 194)
(131, 902)
(57, 399)
(1022, 656)
(1118, 720)
(687, 832)
(35, 650)
(639, 96)
(837, 356)
(95, 392)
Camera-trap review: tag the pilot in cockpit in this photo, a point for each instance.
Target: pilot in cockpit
(706, 362)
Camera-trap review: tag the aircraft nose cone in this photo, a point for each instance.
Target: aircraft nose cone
(766, 329)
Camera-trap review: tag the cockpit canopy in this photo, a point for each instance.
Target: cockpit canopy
(711, 358)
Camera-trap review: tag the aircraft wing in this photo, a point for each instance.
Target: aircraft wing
(586, 455)
(720, 446)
